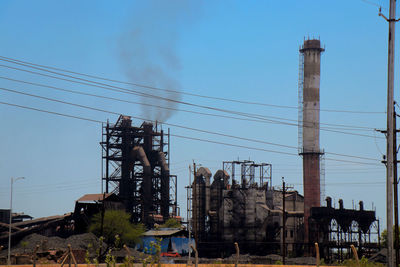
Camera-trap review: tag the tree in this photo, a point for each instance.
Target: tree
(384, 237)
(171, 223)
(116, 222)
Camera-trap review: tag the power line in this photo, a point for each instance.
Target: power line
(128, 101)
(263, 142)
(65, 188)
(261, 149)
(133, 92)
(26, 63)
(46, 187)
(179, 136)
(334, 169)
(227, 111)
(355, 183)
(125, 90)
(50, 112)
(104, 86)
(62, 184)
(373, 4)
(174, 125)
(128, 91)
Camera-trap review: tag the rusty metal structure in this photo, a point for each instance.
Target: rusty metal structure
(237, 206)
(136, 169)
(251, 173)
(336, 229)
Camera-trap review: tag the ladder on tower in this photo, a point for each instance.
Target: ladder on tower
(189, 202)
(322, 177)
(300, 103)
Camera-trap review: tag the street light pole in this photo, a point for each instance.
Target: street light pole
(9, 226)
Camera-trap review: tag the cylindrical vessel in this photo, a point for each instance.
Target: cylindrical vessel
(311, 106)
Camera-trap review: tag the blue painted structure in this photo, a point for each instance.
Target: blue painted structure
(170, 239)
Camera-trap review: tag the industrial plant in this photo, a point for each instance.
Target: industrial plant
(136, 168)
(238, 203)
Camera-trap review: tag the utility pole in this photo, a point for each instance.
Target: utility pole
(283, 222)
(189, 215)
(395, 185)
(284, 188)
(12, 180)
(196, 215)
(196, 218)
(103, 210)
(389, 136)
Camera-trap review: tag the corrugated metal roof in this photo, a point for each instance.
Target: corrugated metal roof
(163, 232)
(41, 220)
(93, 197)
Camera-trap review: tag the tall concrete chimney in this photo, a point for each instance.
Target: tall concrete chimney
(310, 151)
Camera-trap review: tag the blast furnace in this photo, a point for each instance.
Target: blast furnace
(136, 169)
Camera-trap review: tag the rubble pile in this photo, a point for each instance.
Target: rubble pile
(53, 249)
(77, 242)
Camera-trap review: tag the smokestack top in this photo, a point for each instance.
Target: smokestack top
(126, 121)
(329, 202)
(313, 44)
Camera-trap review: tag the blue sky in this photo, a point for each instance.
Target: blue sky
(245, 50)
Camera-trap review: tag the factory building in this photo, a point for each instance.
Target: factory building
(237, 206)
(240, 205)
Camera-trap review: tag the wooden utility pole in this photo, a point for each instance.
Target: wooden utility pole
(389, 135)
(190, 214)
(103, 210)
(284, 188)
(283, 222)
(195, 214)
(395, 184)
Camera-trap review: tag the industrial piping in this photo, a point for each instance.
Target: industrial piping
(138, 153)
(164, 184)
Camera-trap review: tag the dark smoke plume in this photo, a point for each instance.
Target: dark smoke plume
(148, 51)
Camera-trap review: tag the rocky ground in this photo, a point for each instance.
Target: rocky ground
(53, 249)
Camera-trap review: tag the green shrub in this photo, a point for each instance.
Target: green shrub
(117, 223)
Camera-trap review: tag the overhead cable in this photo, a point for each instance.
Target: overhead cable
(179, 136)
(134, 92)
(222, 110)
(26, 63)
(171, 124)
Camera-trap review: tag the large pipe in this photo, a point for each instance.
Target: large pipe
(222, 175)
(163, 161)
(137, 153)
(221, 180)
(164, 185)
(200, 202)
(206, 173)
